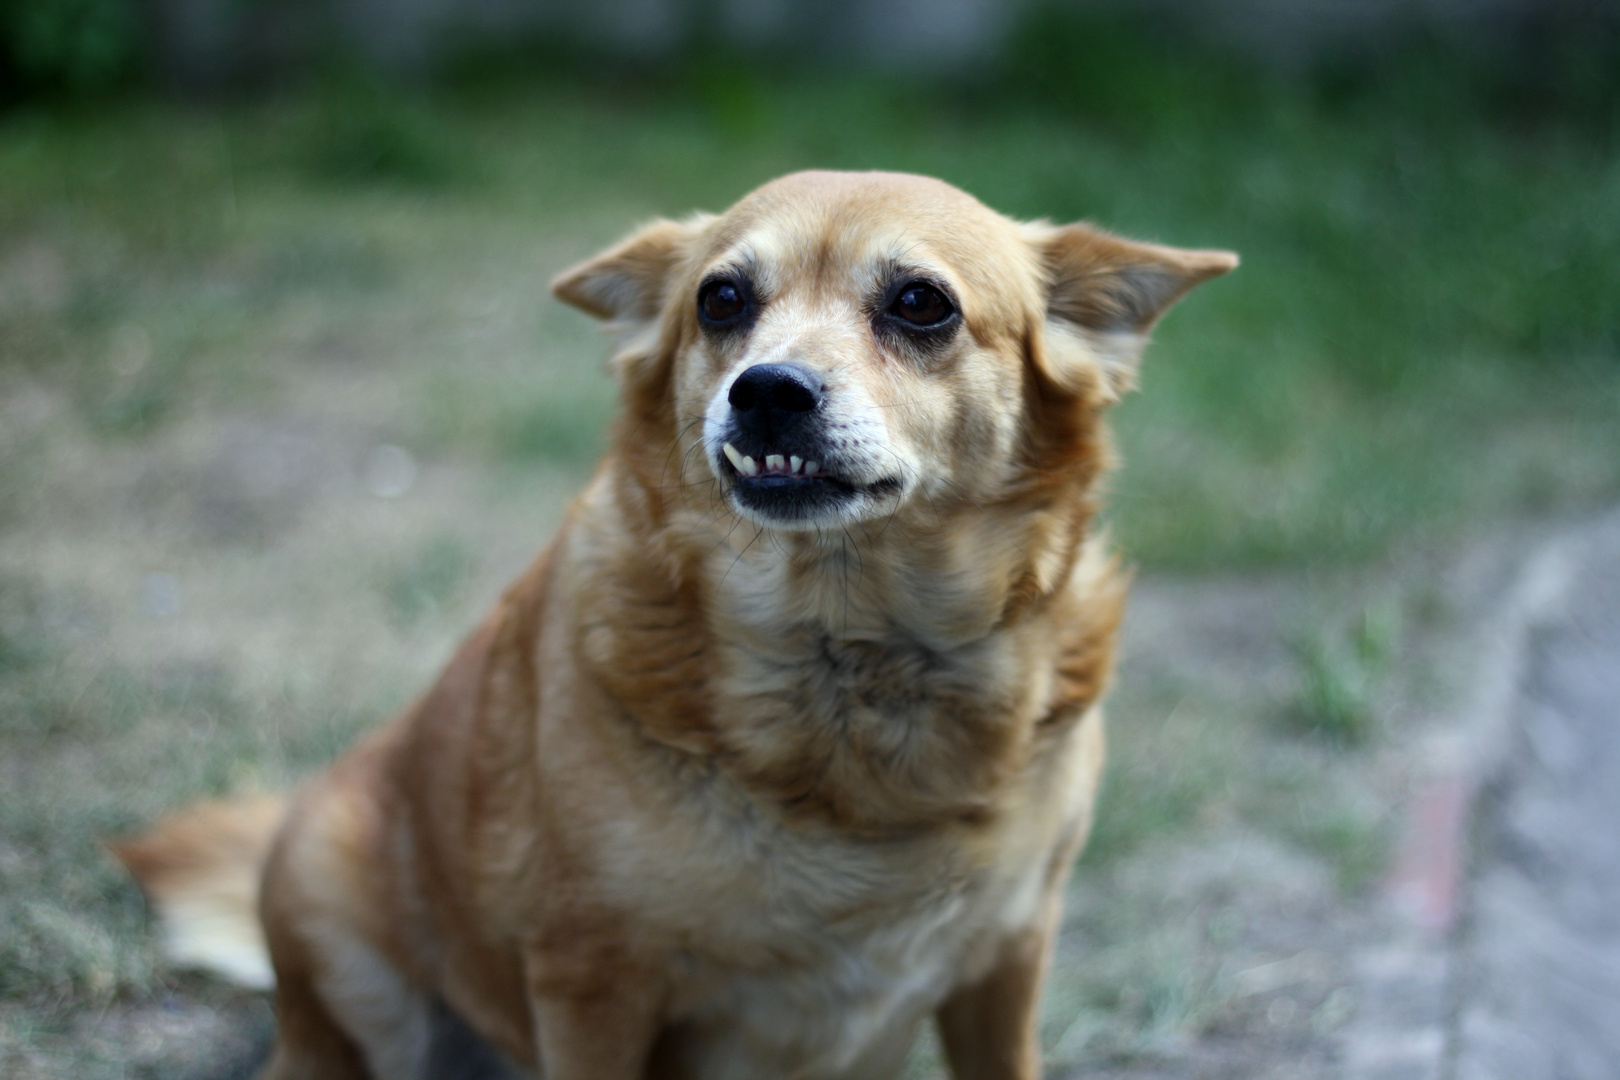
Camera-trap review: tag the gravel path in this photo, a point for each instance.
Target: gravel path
(1498, 953)
(1539, 959)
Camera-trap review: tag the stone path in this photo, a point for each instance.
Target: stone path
(1501, 959)
(1538, 980)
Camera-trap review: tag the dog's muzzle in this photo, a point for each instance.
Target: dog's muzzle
(776, 446)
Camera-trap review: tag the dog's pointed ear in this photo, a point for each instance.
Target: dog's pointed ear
(1104, 293)
(625, 283)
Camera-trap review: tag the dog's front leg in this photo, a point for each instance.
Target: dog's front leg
(598, 1026)
(601, 1037)
(988, 1026)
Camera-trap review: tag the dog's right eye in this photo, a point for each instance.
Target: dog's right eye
(721, 302)
(922, 305)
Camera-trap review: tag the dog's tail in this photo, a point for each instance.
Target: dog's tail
(200, 869)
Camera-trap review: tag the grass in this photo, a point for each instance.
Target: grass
(1421, 341)
(1339, 671)
(1422, 335)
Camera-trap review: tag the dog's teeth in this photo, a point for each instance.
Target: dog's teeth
(741, 462)
(775, 463)
(811, 467)
(795, 462)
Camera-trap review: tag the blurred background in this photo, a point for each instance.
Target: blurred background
(284, 401)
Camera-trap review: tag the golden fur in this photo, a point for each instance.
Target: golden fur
(763, 761)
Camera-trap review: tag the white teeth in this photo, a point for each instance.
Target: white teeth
(791, 464)
(741, 462)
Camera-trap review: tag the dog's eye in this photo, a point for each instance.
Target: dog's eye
(721, 301)
(922, 305)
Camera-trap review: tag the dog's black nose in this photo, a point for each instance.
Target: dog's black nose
(788, 388)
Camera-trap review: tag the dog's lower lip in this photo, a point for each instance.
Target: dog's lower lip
(825, 482)
(784, 481)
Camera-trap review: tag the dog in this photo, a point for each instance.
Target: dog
(790, 738)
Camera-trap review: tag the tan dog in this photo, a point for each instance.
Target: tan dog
(790, 738)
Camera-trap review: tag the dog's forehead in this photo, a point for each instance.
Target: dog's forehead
(820, 223)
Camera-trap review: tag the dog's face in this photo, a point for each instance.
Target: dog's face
(853, 347)
(839, 346)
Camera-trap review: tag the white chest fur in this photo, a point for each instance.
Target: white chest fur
(810, 946)
(800, 952)
(817, 957)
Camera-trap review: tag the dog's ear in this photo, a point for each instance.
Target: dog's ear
(625, 283)
(1104, 293)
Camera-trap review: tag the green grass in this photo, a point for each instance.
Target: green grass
(1422, 337)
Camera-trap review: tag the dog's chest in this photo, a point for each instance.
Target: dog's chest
(855, 854)
(798, 951)
(873, 732)
(812, 959)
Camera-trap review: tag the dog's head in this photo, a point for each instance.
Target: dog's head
(839, 347)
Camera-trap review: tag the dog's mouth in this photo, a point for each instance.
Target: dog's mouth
(786, 488)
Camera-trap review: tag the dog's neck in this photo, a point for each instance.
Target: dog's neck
(946, 584)
(873, 679)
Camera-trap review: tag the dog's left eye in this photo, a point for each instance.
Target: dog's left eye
(721, 301)
(922, 305)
